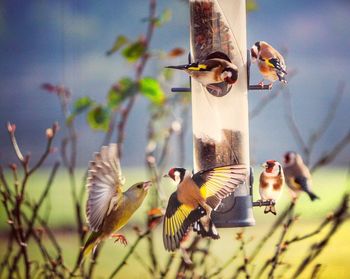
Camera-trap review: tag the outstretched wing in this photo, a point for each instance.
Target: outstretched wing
(104, 183)
(218, 183)
(177, 220)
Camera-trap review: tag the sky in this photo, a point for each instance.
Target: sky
(64, 42)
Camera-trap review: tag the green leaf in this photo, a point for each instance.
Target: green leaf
(251, 6)
(120, 91)
(134, 51)
(81, 104)
(151, 89)
(163, 18)
(98, 118)
(119, 42)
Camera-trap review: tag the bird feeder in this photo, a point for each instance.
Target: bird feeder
(220, 121)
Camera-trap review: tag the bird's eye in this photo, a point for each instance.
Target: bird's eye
(139, 186)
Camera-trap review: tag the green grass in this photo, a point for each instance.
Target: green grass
(329, 184)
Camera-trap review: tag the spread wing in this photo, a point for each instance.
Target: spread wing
(104, 183)
(177, 220)
(218, 183)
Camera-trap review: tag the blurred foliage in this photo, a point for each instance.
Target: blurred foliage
(134, 51)
(119, 42)
(151, 89)
(251, 5)
(120, 91)
(98, 117)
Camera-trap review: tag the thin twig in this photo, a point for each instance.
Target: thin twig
(130, 252)
(139, 71)
(315, 250)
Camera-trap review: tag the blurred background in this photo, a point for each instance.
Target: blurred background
(64, 42)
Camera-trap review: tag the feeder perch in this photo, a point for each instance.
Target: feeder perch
(255, 86)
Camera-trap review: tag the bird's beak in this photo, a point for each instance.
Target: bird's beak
(147, 185)
(166, 175)
(264, 165)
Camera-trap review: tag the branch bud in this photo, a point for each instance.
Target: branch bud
(176, 126)
(13, 166)
(49, 133)
(11, 128)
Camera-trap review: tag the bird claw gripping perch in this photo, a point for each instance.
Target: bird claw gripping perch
(259, 86)
(261, 203)
(119, 238)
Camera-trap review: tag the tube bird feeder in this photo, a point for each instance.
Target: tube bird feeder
(220, 120)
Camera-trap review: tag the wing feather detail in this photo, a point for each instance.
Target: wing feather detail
(177, 221)
(220, 182)
(104, 184)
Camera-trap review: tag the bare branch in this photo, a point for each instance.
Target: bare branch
(294, 128)
(267, 99)
(139, 71)
(330, 155)
(329, 117)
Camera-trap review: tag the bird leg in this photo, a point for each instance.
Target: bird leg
(119, 237)
(261, 84)
(206, 219)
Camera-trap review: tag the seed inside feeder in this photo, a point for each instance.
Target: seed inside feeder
(209, 34)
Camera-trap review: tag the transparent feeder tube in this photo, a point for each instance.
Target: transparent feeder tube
(220, 123)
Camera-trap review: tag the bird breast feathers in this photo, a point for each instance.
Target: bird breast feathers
(188, 192)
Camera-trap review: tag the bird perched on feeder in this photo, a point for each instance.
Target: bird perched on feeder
(108, 208)
(298, 176)
(215, 68)
(195, 198)
(270, 62)
(271, 182)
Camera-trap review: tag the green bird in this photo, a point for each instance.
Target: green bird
(108, 208)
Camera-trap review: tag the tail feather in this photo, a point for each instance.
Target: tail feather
(270, 208)
(312, 196)
(87, 249)
(210, 232)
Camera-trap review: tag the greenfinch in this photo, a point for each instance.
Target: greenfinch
(108, 208)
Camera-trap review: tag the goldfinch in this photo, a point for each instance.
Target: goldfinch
(216, 68)
(270, 62)
(108, 208)
(298, 176)
(271, 182)
(195, 198)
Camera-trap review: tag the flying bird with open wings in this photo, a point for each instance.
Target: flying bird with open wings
(270, 62)
(195, 198)
(108, 208)
(298, 177)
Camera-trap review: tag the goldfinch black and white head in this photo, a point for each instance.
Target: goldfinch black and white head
(270, 62)
(230, 75)
(176, 174)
